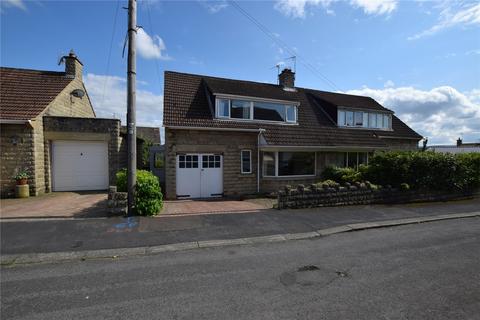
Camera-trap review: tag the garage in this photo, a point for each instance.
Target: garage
(199, 175)
(79, 165)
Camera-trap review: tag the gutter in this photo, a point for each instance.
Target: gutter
(14, 121)
(258, 158)
(213, 128)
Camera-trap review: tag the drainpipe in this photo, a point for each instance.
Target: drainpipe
(260, 131)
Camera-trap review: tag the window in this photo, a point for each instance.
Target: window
(211, 161)
(288, 164)
(246, 161)
(341, 118)
(291, 113)
(240, 109)
(362, 119)
(223, 108)
(358, 118)
(269, 164)
(268, 111)
(256, 110)
(349, 118)
(350, 159)
(188, 161)
(296, 163)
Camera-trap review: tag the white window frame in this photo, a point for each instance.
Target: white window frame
(250, 161)
(342, 121)
(292, 176)
(252, 109)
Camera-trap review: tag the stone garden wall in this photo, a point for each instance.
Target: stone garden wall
(358, 194)
(117, 201)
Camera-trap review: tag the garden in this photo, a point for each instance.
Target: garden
(391, 177)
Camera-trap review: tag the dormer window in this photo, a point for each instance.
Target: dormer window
(256, 110)
(363, 119)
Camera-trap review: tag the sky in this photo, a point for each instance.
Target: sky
(418, 58)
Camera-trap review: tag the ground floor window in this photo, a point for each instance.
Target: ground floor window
(351, 159)
(281, 164)
(246, 159)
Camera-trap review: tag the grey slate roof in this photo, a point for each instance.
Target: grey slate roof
(186, 104)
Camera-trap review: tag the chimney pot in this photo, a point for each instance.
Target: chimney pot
(73, 66)
(459, 142)
(287, 78)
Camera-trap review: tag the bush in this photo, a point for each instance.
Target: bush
(425, 170)
(329, 184)
(148, 195)
(349, 175)
(404, 186)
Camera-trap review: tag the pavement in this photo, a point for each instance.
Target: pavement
(79, 235)
(421, 271)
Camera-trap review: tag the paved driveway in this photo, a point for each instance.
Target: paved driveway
(194, 207)
(56, 204)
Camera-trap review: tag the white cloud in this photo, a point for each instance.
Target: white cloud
(20, 4)
(151, 47)
(472, 52)
(376, 7)
(213, 6)
(451, 15)
(442, 114)
(299, 8)
(109, 99)
(389, 84)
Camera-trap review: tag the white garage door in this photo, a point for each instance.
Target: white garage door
(79, 165)
(199, 175)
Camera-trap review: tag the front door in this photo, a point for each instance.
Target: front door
(199, 175)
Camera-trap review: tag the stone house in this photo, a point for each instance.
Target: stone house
(48, 128)
(226, 137)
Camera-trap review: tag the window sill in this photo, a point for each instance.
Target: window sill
(289, 177)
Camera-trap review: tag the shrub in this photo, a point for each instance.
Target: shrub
(349, 175)
(148, 195)
(425, 170)
(329, 184)
(404, 186)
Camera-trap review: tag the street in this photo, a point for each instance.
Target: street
(424, 271)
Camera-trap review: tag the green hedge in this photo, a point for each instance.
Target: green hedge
(415, 170)
(148, 195)
(425, 170)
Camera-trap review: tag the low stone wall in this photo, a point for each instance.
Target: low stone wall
(315, 196)
(117, 201)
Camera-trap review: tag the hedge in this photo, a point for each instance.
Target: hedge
(419, 170)
(148, 195)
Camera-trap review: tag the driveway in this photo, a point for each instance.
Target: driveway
(194, 207)
(56, 204)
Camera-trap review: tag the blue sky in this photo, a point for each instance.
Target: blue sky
(419, 58)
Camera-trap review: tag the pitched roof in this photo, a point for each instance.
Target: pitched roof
(188, 100)
(151, 134)
(25, 93)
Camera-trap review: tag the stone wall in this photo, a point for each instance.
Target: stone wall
(358, 194)
(88, 129)
(227, 143)
(17, 149)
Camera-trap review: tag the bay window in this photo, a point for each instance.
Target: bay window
(256, 110)
(283, 164)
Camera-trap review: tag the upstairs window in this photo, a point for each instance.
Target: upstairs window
(377, 120)
(256, 110)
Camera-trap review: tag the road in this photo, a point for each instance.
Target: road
(424, 271)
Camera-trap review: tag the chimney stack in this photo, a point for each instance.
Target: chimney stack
(73, 66)
(287, 78)
(459, 142)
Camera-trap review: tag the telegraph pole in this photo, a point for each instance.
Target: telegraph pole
(131, 98)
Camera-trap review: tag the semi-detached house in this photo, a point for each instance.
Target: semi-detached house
(226, 137)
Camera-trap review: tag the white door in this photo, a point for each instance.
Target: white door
(199, 175)
(79, 165)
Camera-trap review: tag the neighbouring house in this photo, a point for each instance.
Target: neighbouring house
(49, 129)
(226, 137)
(460, 147)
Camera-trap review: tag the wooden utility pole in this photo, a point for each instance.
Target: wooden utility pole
(131, 98)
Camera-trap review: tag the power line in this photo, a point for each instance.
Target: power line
(110, 51)
(157, 68)
(284, 45)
